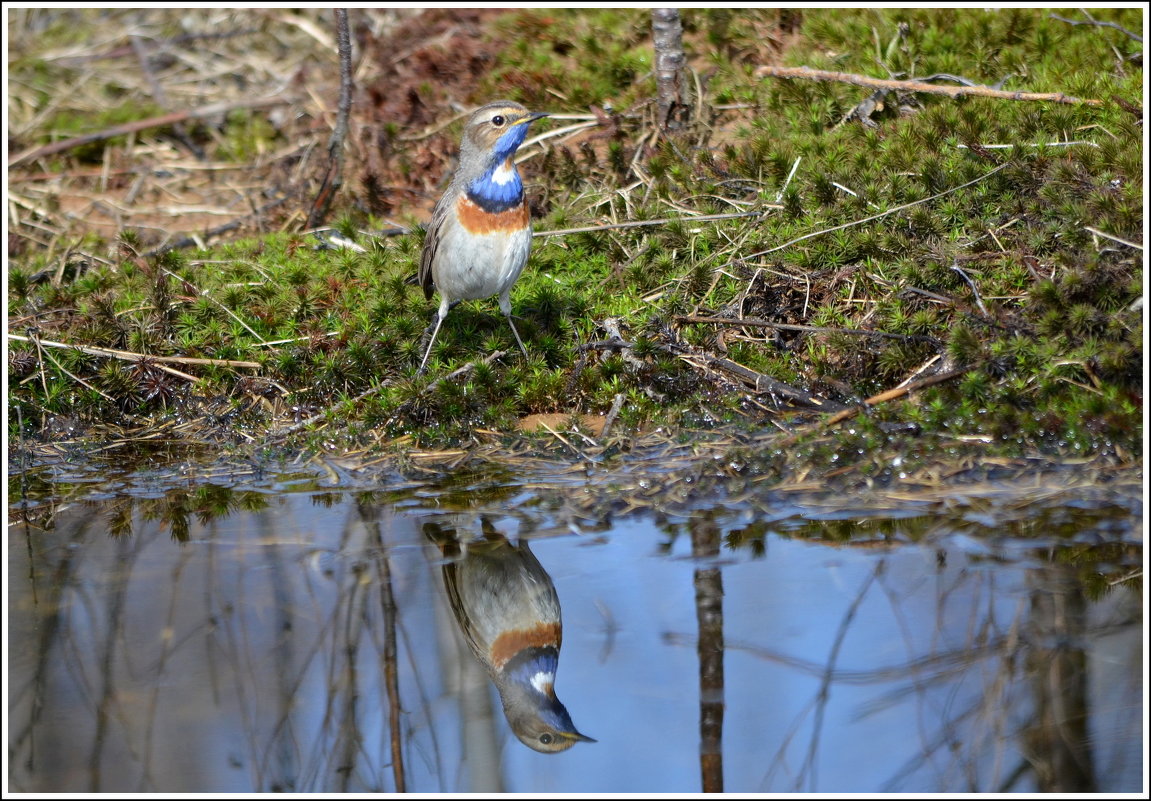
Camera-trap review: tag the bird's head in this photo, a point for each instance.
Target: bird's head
(494, 132)
(533, 711)
(543, 724)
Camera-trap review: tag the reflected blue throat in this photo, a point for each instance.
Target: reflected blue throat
(527, 663)
(519, 672)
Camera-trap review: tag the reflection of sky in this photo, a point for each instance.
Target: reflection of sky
(255, 612)
(792, 601)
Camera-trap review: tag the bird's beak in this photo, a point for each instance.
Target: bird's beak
(579, 738)
(532, 117)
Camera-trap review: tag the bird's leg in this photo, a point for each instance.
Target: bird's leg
(434, 328)
(435, 323)
(517, 333)
(506, 308)
(440, 314)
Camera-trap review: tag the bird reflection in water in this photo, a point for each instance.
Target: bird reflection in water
(508, 610)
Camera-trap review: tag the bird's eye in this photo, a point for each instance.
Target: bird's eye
(545, 738)
(498, 120)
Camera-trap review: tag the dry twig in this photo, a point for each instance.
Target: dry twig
(815, 329)
(1098, 23)
(1112, 237)
(892, 394)
(609, 421)
(662, 221)
(874, 400)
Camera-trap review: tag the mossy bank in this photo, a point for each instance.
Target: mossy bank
(789, 252)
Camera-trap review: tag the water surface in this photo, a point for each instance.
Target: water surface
(243, 632)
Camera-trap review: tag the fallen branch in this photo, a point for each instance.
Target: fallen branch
(758, 381)
(702, 360)
(918, 86)
(670, 63)
(591, 229)
(399, 231)
(139, 49)
(210, 110)
(334, 172)
(974, 289)
(618, 342)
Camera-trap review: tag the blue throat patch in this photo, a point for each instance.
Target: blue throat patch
(494, 197)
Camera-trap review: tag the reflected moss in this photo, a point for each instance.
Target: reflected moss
(176, 509)
(1046, 533)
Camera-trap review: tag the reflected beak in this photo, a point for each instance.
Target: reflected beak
(579, 738)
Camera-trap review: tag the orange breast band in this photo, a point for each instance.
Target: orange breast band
(507, 645)
(477, 221)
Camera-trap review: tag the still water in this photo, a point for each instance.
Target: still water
(250, 633)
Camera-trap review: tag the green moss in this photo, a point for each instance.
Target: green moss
(1044, 326)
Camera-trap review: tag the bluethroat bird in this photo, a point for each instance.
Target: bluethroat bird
(509, 613)
(480, 235)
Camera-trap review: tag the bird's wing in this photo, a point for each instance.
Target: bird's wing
(431, 245)
(463, 615)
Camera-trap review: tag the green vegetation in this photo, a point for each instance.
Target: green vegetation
(990, 236)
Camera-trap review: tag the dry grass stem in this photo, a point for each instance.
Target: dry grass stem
(128, 356)
(1112, 237)
(879, 216)
(211, 110)
(917, 85)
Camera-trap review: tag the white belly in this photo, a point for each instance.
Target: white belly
(471, 267)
